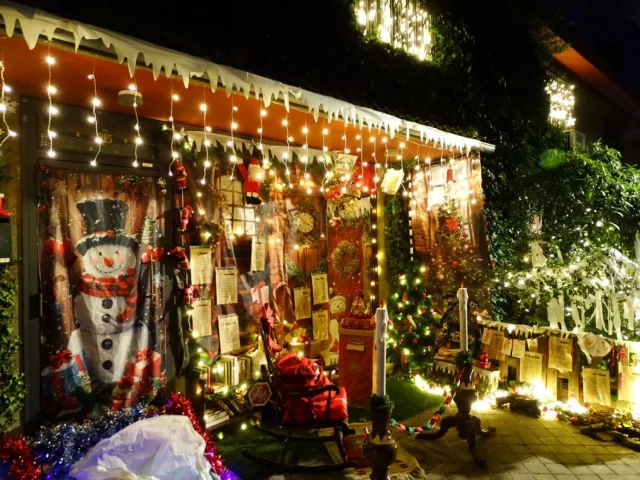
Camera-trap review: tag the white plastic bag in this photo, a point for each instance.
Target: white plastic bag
(158, 448)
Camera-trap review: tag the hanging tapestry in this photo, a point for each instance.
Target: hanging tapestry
(103, 338)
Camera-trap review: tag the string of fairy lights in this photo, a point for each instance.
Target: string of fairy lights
(138, 138)
(355, 178)
(51, 90)
(4, 89)
(95, 103)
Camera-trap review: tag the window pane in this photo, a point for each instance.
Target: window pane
(225, 184)
(250, 228)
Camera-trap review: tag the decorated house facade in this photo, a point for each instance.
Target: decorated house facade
(160, 201)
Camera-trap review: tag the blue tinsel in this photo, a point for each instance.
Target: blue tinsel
(59, 447)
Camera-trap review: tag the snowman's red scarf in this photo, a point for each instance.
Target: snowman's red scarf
(121, 286)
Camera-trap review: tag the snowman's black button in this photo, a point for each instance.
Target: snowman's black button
(106, 318)
(107, 343)
(107, 364)
(107, 303)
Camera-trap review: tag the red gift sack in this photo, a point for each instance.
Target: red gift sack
(299, 374)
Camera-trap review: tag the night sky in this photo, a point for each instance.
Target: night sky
(610, 30)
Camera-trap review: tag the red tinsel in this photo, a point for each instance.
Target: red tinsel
(18, 456)
(179, 405)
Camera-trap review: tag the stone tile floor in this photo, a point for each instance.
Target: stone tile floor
(524, 448)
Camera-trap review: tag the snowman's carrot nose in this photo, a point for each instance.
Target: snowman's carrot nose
(108, 261)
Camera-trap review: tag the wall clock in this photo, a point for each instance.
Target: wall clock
(305, 223)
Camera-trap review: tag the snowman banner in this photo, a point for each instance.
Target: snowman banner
(102, 288)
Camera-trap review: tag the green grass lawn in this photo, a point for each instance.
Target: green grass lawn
(409, 401)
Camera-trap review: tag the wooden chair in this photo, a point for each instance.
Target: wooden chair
(287, 428)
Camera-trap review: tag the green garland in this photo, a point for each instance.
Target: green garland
(12, 386)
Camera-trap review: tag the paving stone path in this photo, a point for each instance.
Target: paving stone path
(523, 448)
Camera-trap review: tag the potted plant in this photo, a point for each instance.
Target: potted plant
(379, 447)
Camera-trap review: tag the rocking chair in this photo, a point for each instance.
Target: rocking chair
(289, 421)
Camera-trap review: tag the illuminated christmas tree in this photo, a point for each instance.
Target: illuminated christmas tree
(455, 262)
(410, 335)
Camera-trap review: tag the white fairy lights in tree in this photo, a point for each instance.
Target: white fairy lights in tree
(562, 101)
(138, 140)
(95, 103)
(4, 89)
(402, 23)
(51, 90)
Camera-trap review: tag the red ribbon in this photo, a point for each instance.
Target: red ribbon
(144, 354)
(60, 358)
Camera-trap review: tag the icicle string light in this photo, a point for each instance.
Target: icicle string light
(138, 140)
(95, 103)
(3, 107)
(206, 141)
(305, 159)
(286, 155)
(50, 61)
(263, 113)
(234, 127)
(174, 135)
(374, 139)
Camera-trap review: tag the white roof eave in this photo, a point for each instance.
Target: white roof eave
(35, 23)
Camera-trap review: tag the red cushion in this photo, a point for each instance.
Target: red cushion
(299, 374)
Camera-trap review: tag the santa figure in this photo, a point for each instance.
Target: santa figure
(253, 176)
(107, 335)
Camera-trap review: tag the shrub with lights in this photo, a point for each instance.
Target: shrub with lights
(582, 247)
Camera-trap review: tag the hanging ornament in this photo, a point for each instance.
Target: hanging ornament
(455, 264)
(187, 295)
(450, 175)
(392, 181)
(335, 222)
(253, 176)
(186, 213)
(181, 255)
(622, 354)
(181, 175)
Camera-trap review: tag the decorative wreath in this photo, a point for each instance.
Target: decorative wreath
(346, 259)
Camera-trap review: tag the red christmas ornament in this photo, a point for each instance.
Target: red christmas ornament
(415, 340)
(455, 264)
(451, 224)
(449, 175)
(336, 222)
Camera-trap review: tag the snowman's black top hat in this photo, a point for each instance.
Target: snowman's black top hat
(105, 220)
